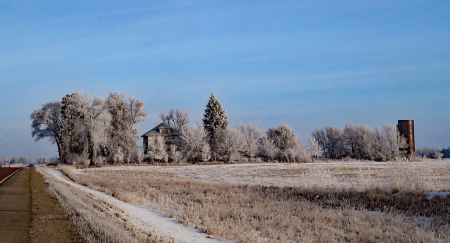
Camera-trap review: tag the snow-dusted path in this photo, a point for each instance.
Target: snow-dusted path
(145, 219)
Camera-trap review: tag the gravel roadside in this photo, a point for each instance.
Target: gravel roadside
(50, 222)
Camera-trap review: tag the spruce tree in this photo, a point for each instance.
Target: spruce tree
(215, 118)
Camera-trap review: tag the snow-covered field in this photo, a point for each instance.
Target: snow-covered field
(333, 175)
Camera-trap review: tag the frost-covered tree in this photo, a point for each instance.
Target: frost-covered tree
(336, 142)
(175, 156)
(195, 144)
(313, 148)
(175, 118)
(283, 137)
(214, 118)
(47, 122)
(4, 161)
(47, 160)
(365, 142)
(19, 161)
(321, 137)
(445, 152)
(391, 135)
(251, 135)
(228, 143)
(157, 150)
(402, 145)
(427, 152)
(85, 127)
(267, 149)
(380, 147)
(122, 132)
(362, 142)
(352, 140)
(85, 123)
(438, 155)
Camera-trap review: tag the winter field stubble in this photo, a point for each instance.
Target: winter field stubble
(96, 220)
(318, 202)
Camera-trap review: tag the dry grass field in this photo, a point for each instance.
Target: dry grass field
(318, 202)
(96, 220)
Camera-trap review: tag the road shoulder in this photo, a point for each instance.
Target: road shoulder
(50, 222)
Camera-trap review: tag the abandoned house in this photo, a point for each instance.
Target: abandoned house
(170, 135)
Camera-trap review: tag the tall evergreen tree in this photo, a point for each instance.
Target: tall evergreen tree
(215, 118)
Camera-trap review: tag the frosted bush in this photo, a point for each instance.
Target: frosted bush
(408, 176)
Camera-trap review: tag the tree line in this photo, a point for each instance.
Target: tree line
(102, 130)
(15, 161)
(361, 142)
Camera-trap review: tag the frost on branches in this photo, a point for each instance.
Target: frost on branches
(91, 130)
(361, 142)
(290, 149)
(228, 142)
(313, 148)
(251, 136)
(175, 118)
(195, 144)
(46, 122)
(157, 150)
(85, 123)
(123, 132)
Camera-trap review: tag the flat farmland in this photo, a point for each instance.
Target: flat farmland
(429, 176)
(278, 202)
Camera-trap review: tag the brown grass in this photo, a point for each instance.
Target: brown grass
(95, 219)
(309, 213)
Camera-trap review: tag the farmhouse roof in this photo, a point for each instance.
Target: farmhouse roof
(173, 132)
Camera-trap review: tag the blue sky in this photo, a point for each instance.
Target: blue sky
(307, 64)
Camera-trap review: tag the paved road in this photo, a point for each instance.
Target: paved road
(5, 172)
(15, 208)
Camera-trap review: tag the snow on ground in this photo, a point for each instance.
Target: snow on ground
(430, 195)
(347, 174)
(145, 219)
(279, 174)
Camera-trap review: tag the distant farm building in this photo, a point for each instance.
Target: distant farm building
(170, 135)
(406, 129)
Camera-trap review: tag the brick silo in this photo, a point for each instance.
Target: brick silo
(406, 128)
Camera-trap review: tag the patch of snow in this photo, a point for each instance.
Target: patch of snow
(430, 195)
(145, 219)
(426, 221)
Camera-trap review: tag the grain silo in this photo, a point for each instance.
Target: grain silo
(406, 128)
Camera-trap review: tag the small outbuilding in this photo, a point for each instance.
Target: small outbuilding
(170, 135)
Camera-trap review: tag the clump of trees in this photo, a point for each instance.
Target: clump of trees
(432, 153)
(445, 152)
(361, 142)
(15, 161)
(46, 160)
(216, 141)
(91, 130)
